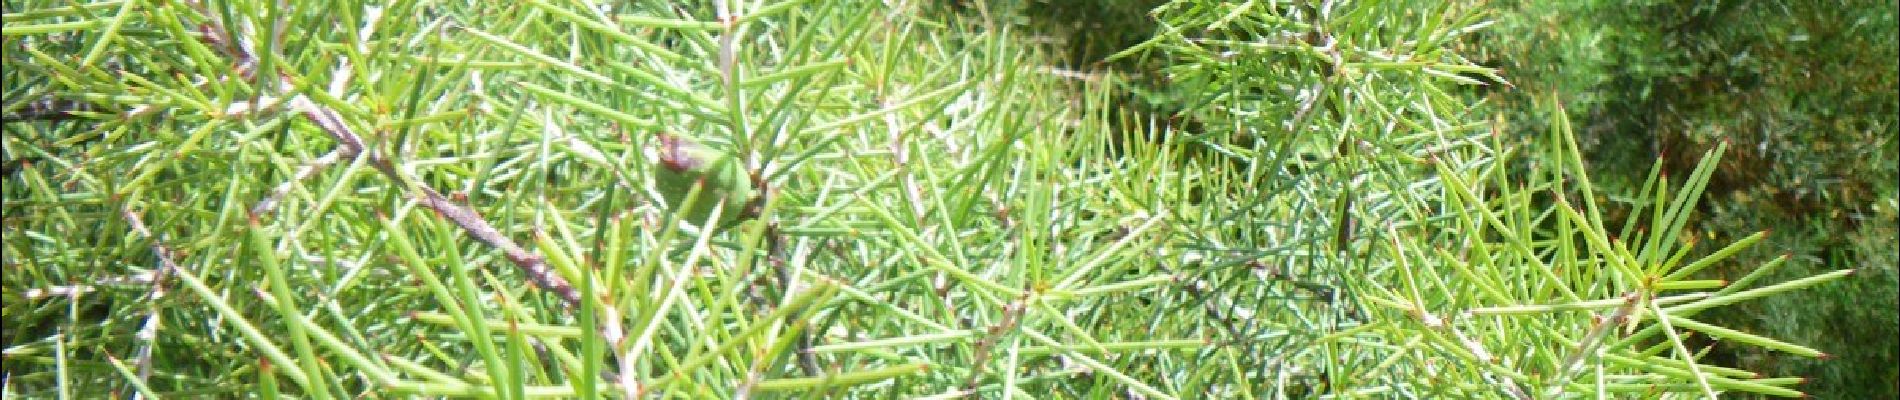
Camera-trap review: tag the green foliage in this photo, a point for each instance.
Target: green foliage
(235, 199)
(1805, 90)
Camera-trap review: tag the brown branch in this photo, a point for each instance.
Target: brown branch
(775, 258)
(1012, 314)
(149, 331)
(1588, 346)
(309, 169)
(351, 146)
(331, 122)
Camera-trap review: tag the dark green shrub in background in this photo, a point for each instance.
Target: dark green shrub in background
(1413, 248)
(1806, 93)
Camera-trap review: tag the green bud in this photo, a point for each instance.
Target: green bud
(684, 163)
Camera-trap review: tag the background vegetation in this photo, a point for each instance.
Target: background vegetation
(946, 199)
(1806, 91)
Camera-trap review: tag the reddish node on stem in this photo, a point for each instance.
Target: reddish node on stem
(673, 156)
(1824, 356)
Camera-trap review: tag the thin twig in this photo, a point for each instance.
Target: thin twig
(149, 331)
(1433, 322)
(471, 222)
(1574, 363)
(269, 204)
(775, 257)
(1012, 314)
